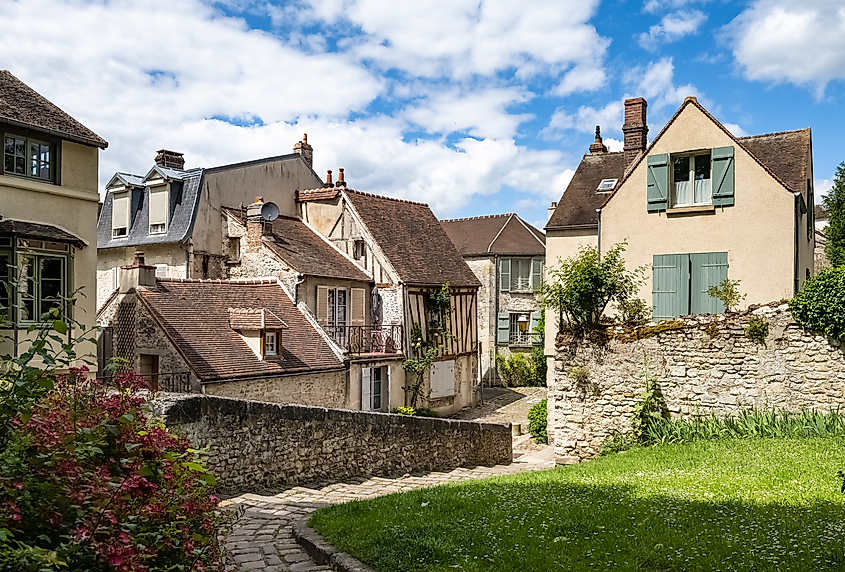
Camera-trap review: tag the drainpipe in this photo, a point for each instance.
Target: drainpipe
(300, 278)
(598, 217)
(797, 223)
(190, 259)
(496, 279)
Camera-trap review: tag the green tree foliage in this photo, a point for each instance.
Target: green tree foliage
(582, 286)
(820, 305)
(728, 293)
(834, 204)
(538, 421)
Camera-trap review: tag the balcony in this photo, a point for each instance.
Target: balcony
(525, 339)
(358, 340)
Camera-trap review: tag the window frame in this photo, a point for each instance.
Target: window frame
(515, 337)
(125, 194)
(30, 136)
(673, 195)
(165, 226)
(39, 249)
(267, 336)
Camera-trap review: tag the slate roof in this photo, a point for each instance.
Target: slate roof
(413, 240)
(505, 234)
(194, 314)
(786, 153)
(39, 231)
(577, 207)
(181, 219)
(21, 105)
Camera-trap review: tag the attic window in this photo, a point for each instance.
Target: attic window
(606, 185)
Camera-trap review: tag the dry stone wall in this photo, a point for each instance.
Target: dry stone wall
(703, 365)
(253, 444)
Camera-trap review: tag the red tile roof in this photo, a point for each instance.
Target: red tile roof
(305, 195)
(504, 234)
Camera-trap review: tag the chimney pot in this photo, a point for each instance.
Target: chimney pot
(635, 129)
(170, 159)
(691, 98)
(304, 150)
(139, 258)
(305, 138)
(328, 182)
(341, 182)
(598, 146)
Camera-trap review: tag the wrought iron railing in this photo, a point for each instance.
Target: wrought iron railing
(174, 382)
(367, 339)
(518, 338)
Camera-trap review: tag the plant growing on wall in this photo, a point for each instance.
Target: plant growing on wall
(438, 303)
(834, 204)
(728, 293)
(757, 330)
(650, 407)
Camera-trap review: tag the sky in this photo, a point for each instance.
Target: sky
(475, 107)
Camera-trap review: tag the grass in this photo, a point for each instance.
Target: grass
(731, 504)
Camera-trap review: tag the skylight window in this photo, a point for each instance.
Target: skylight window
(607, 185)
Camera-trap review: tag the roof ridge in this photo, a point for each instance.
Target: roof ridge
(775, 133)
(251, 162)
(476, 217)
(219, 280)
(386, 197)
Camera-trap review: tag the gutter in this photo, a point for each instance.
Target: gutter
(204, 382)
(57, 133)
(300, 278)
(796, 223)
(570, 226)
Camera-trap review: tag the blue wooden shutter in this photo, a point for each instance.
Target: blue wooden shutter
(505, 274)
(723, 176)
(503, 332)
(670, 285)
(658, 182)
(536, 273)
(706, 269)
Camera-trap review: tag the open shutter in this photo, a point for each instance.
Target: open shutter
(366, 388)
(159, 206)
(358, 306)
(670, 285)
(536, 273)
(504, 330)
(535, 321)
(706, 269)
(322, 305)
(723, 176)
(658, 182)
(505, 274)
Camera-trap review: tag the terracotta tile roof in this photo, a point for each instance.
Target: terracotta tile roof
(195, 316)
(305, 195)
(413, 240)
(22, 105)
(577, 207)
(308, 253)
(255, 319)
(495, 234)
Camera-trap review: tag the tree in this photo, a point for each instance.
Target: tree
(834, 204)
(582, 286)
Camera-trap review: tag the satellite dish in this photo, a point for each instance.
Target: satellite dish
(269, 211)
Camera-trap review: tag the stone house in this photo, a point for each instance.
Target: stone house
(232, 338)
(402, 246)
(48, 214)
(696, 205)
(507, 256)
(174, 214)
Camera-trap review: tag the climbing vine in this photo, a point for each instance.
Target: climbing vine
(425, 350)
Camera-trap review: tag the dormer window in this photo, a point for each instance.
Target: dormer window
(159, 209)
(120, 214)
(606, 185)
(271, 344)
(260, 329)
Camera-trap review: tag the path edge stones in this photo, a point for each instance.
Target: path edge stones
(324, 553)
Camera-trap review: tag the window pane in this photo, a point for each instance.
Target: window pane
(341, 307)
(332, 306)
(33, 159)
(9, 146)
(520, 273)
(9, 164)
(50, 279)
(4, 282)
(20, 165)
(27, 288)
(681, 169)
(702, 167)
(20, 148)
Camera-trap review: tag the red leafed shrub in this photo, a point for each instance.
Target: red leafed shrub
(87, 482)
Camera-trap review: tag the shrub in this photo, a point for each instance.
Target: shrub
(617, 443)
(517, 370)
(537, 421)
(728, 293)
(635, 312)
(820, 305)
(650, 407)
(757, 330)
(406, 411)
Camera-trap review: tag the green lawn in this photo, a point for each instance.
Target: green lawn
(740, 504)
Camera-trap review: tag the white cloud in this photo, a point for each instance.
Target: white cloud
(786, 41)
(581, 78)
(672, 27)
(613, 144)
(822, 187)
(735, 129)
(657, 5)
(656, 83)
(609, 117)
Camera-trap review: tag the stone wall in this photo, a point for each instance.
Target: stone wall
(324, 389)
(254, 444)
(703, 365)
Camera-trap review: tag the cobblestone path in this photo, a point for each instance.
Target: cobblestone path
(262, 538)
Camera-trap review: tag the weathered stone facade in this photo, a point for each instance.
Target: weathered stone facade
(253, 444)
(326, 389)
(703, 364)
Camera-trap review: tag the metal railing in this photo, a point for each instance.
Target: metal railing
(367, 339)
(518, 338)
(174, 382)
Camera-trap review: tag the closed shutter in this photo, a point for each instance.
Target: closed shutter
(366, 389)
(504, 328)
(535, 321)
(159, 205)
(706, 269)
(670, 285)
(505, 274)
(358, 306)
(323, 305)
(115, 278)
(120, 211)
(723, 176)
(658, 182)
(536, 273)
(386, 405)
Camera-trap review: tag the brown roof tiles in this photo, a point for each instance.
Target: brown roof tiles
(577, 207)
(495, 234)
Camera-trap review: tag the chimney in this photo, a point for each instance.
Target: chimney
(170, 159)
(635, 129)
(138, 274)
(256, 227)
(598, 146)
(328, 183)
(551, 211)
(340, 180)
(304, 150)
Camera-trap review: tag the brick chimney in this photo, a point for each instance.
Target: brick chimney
(138, 274)
(170, 159)
(635, 129)
(305, 151)
(256, 227)
(551, 211)
(598, 146)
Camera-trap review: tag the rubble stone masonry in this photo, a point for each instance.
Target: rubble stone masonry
(703, 364)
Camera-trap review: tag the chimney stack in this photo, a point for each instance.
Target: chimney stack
(598, 146)
(138, 274)
(341, 182)
(304, 150)
(551, 211)
(328, 184)
(635, 129)
(256, 227)
(170, 159)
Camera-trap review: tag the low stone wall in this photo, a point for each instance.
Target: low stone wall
(703, 364)
(253, 444)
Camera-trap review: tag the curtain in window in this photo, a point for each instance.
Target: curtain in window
(702, 191)
(683, 193)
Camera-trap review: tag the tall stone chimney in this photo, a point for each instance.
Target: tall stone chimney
(256, 227)
(305, 151)
(635, 129)
(138, 274)
(598, 146)
(170, 159)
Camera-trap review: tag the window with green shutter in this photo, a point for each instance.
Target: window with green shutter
(723, 176)
(658, 182)
(503, 329)
(690, 179)
(505, 274)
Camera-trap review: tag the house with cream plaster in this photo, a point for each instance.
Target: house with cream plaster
(696, 205)
(507, 255)
(48, 214)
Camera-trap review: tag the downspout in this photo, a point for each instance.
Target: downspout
(300, 278)
(406, 333)
(797, 224)
(190, 256)
(496, 279)
(598, 218)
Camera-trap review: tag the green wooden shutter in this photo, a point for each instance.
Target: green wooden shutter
(503, 332)
(723, 176)
(706, 269)
(505, 274)
(536, 273)
(535, 321)
(658, 182)
(670, 285)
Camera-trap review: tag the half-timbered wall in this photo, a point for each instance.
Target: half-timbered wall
(461, 320)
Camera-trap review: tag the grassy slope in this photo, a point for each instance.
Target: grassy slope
(752, 504)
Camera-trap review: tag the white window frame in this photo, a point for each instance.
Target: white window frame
(515, 278)
(161, 270)
(371, 400)
(606, 185)
(119, 230)
(672, 185)
(515, 336)
(271, 344)
(36, 297)
(159, 226)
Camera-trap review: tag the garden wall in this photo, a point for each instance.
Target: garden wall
(703, 364)
(252, 443)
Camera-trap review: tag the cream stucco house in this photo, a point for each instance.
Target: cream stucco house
(48, 213)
